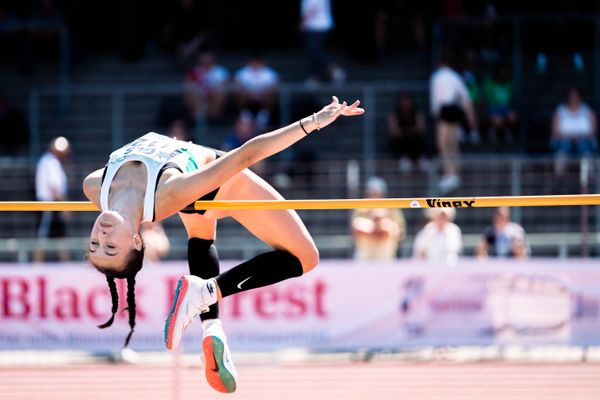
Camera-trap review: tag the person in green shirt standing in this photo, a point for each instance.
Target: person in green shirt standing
(498, 92)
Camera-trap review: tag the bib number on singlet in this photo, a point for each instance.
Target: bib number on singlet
(160, 151)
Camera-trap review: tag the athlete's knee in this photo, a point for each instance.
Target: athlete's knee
(309, 259)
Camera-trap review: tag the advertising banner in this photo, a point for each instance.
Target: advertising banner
(340, 305)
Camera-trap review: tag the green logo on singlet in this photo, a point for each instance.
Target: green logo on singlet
(191, 165)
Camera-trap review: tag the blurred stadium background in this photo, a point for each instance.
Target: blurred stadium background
(102, 73)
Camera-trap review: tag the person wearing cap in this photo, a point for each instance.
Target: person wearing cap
(51, 185)
(379, 231)
(440, 240)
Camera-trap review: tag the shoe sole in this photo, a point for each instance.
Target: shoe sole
(180, 292)
(217, 375)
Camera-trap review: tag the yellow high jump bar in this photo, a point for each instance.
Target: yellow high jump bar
(337, 204)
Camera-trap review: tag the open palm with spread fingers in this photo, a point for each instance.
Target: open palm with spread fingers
(330, 112)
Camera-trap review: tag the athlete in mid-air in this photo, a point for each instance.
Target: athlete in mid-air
(155, 177)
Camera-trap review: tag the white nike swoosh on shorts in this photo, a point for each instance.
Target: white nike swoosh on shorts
(239, 285)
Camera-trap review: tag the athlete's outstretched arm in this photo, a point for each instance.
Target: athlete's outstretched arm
(180, 190)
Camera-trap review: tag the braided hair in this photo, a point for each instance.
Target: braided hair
(133, 266)
(112, 286)
(130, 306)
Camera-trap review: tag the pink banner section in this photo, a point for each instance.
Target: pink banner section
(340, 305)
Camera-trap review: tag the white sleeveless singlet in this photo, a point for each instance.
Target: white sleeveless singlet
(574, 124)
(154, 151)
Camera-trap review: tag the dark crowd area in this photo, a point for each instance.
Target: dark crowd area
(133, 27)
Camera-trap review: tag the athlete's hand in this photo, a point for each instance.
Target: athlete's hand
(332, 111)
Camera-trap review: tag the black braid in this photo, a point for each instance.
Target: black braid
(130, 306)
(132, 267)
(115, 301)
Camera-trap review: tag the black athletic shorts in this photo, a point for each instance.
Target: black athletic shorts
(452, 114)
(208, 197)
(51, 224)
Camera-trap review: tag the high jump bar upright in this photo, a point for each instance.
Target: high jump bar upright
(337, 204)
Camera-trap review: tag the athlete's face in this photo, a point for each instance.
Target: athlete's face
(111, 241)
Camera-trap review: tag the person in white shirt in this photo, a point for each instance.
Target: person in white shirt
(257, 85)
(51, 185)
(441, 239)
(451, 106)
(315, 25)
(574, 129)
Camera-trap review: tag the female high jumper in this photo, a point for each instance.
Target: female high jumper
(154, 177)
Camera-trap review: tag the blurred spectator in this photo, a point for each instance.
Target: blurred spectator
(205, 90)
(377, 232)
(451, 107)
(498, 96)
(503, 238)
(156, 241)
(316, 23)
(257, 85)
(298, 163)
(473, 86)
(51, 185)
(243, 130)
(179, 130)
(406, 124)
(440, 240)
(573, 131)
(13, 129)
(188, 30)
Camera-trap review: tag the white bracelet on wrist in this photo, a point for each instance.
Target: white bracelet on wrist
(314, 117)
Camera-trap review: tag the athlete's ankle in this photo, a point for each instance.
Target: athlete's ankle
(211, 292)
(211, 327)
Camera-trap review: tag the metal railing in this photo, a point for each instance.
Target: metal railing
(553, 231)
(22, 250)
(120, 97)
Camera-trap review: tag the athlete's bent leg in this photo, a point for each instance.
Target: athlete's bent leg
(280, 229)
(203, 261)
(262, 270)
(295, 253)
